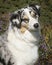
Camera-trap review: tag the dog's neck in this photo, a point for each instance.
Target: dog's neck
(29, 37)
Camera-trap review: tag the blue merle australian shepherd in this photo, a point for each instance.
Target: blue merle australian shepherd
(19, 44)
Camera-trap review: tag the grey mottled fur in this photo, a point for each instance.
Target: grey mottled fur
(5, 54)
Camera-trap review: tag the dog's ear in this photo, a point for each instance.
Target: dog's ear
(15, 19)
(36, 8)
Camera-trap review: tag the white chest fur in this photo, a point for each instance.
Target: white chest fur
(22, 52)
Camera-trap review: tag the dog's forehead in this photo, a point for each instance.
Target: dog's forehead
(27, 9)
(35, 8)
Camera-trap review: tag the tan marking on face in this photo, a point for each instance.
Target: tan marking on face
(25, 25)
(25, 17)
(23, 29)
(33, 14)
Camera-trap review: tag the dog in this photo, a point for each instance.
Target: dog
(23, 36)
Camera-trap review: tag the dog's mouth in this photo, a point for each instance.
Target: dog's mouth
(33, 34)
(24, 28)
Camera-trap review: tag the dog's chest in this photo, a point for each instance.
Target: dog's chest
(24, 55)
(21, 51)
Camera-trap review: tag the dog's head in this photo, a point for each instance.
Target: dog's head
(26, 18)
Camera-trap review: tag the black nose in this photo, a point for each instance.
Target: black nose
(36, 25)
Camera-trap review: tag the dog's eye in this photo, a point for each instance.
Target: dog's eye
(25, 20)
(33, 14)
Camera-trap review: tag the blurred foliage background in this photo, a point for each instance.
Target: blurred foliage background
(8, 6)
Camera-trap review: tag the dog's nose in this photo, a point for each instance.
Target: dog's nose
(36, 25)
